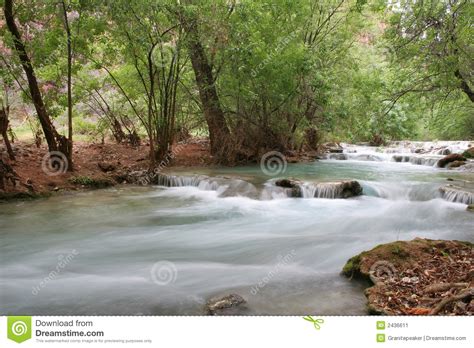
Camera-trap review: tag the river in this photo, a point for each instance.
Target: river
(155, 250)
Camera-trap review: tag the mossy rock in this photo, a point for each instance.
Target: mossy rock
(469, 153)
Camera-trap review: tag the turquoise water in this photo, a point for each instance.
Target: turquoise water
(155, 250)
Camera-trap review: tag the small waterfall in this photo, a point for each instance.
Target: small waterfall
(457, 195)
(322, 190)
(329, 190)
(411, 191)
(418, 160)
(225, 187)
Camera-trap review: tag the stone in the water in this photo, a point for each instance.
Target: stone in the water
(351, 189)
(450, 158)
(332, 190)
(226, 305)
(456, 164)
(469, 153)
(470, 208)
(287, 183)
(293, 187)
(338, 156)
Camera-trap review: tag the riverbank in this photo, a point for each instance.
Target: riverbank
(95, 166)
(103, 165)
(418, 277)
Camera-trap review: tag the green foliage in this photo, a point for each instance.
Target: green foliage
(350, 70)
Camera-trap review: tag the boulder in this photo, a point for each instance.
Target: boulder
(335, 150)
(450, 158)
(469, 153)
(456, 164)
(225, 305)
(350, 189)
(470, 208)
(287, 183)
(333, 147)
(292, 186)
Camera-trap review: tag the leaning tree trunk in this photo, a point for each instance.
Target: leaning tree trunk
(219, 133)
(4, 131)
(464, 85)
(56, 142)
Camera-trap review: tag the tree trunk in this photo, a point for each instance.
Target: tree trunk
(56, 142)
(219, 133)
(69, 86)
(4, 131)
(464, 86)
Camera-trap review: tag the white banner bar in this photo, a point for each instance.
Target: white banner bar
(368, 331)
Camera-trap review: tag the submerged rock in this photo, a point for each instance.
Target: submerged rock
(450, 158)
(226, 305)
(421, 276)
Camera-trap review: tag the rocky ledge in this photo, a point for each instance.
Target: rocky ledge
(418, 277)
(458, 194)
(339, 189)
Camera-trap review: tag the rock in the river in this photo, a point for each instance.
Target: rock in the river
(338, 156)
(470, 208)
(292, 186)
(469, 153)
(350, 189)
(227, 305)
(287, 183)
(416, 277)
(450, 158)
(455, 164)
(333, 190)
(333, 147)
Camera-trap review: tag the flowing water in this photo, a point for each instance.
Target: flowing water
(167, 249)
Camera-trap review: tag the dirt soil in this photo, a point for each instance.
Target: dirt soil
(94, 165)
(418, 277)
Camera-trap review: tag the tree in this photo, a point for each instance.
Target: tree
(56, 142)
(4, 122)
(69, 82)
(219, 134)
